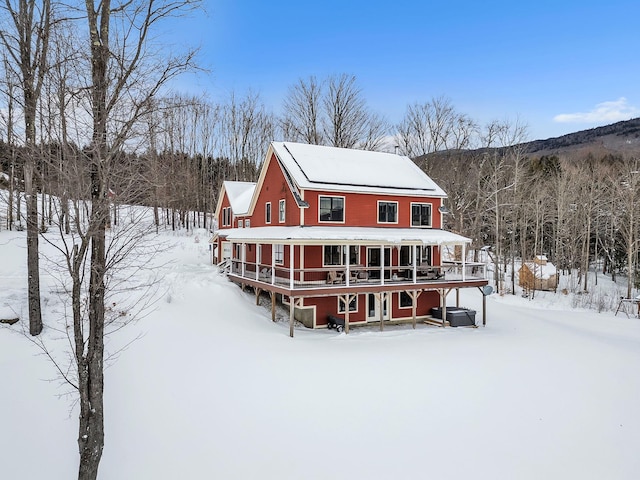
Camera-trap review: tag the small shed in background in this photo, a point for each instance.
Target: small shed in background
(540, 274)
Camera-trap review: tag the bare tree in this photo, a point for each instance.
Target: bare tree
(347, 122)
(247, 127)
(27, 46)
(302, 112)
(434, 126)
(126, 73)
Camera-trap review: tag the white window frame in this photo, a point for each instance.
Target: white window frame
(397, 212)
(430, 215)
(282, 211)
(341, 264)
(400, 301)
(247, 223)
(341, 304)
(344, 208)
(240, 223)
(410, 247)
(345, 255)
(420, 252)
(267, 213)
(278, 253)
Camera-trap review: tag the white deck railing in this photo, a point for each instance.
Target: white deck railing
(340, 275)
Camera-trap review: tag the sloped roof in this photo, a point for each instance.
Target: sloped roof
(240, 195)
(340, 235)
(543, 272)
(342, 169)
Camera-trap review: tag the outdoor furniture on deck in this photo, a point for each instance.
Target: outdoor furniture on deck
(335, 277)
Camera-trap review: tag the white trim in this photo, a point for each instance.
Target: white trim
(282, 218)
(400, 292)
(378, 212)
(275, 257)
(344, 235)
(378, 304)
(338, 297)
(267, 218)
(411, 215)
(344, 209)
(329, 265)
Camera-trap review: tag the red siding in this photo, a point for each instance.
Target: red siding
(361, 209)
(274, 189)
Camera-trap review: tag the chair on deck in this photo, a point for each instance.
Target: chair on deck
(335, 277)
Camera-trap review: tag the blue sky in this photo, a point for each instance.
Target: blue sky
(559, 66)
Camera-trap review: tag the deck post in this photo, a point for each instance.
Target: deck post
(292, 302)
(443, 295)
(415, 264)
(346, 312)
(464, 257)
(484, 310)
(381, 302)
(414, 294)
(273, 264)
(291, 265)
(258, 260)
(345, 249)
(273, 305)
(457, 297)
(382, 264)
(258, 292)
(244, 259)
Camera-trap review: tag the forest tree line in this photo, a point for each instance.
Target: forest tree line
(576, 209)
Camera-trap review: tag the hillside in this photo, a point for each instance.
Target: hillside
(620, 137)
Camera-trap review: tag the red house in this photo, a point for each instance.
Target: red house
(350, 234)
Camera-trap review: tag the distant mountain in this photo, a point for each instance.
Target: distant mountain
(620, 137)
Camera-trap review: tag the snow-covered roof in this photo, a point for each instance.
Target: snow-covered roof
(239, 194)
(344, 235)
(542, 271)
(342, 169)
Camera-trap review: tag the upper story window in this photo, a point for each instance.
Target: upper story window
(240, 223)
(331, 209)
(387, 212)
(420, 214)
(281, 211)
(267, 212)
(247, 223)
(226, 217)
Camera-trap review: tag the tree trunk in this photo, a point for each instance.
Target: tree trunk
(33, 264)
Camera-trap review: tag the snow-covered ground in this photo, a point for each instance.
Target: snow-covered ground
(214, 389)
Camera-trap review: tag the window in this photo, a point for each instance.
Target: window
(405, 300)
(247, 223)
(354, 255)
(281, 211)
(331, 209)
(267, 212)
(240, 223)
(278, 253)
(405, 255)
(226, 217)
(334, 255)
(387, 212)
(353, 304)
(420, 214)
(424, 254)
